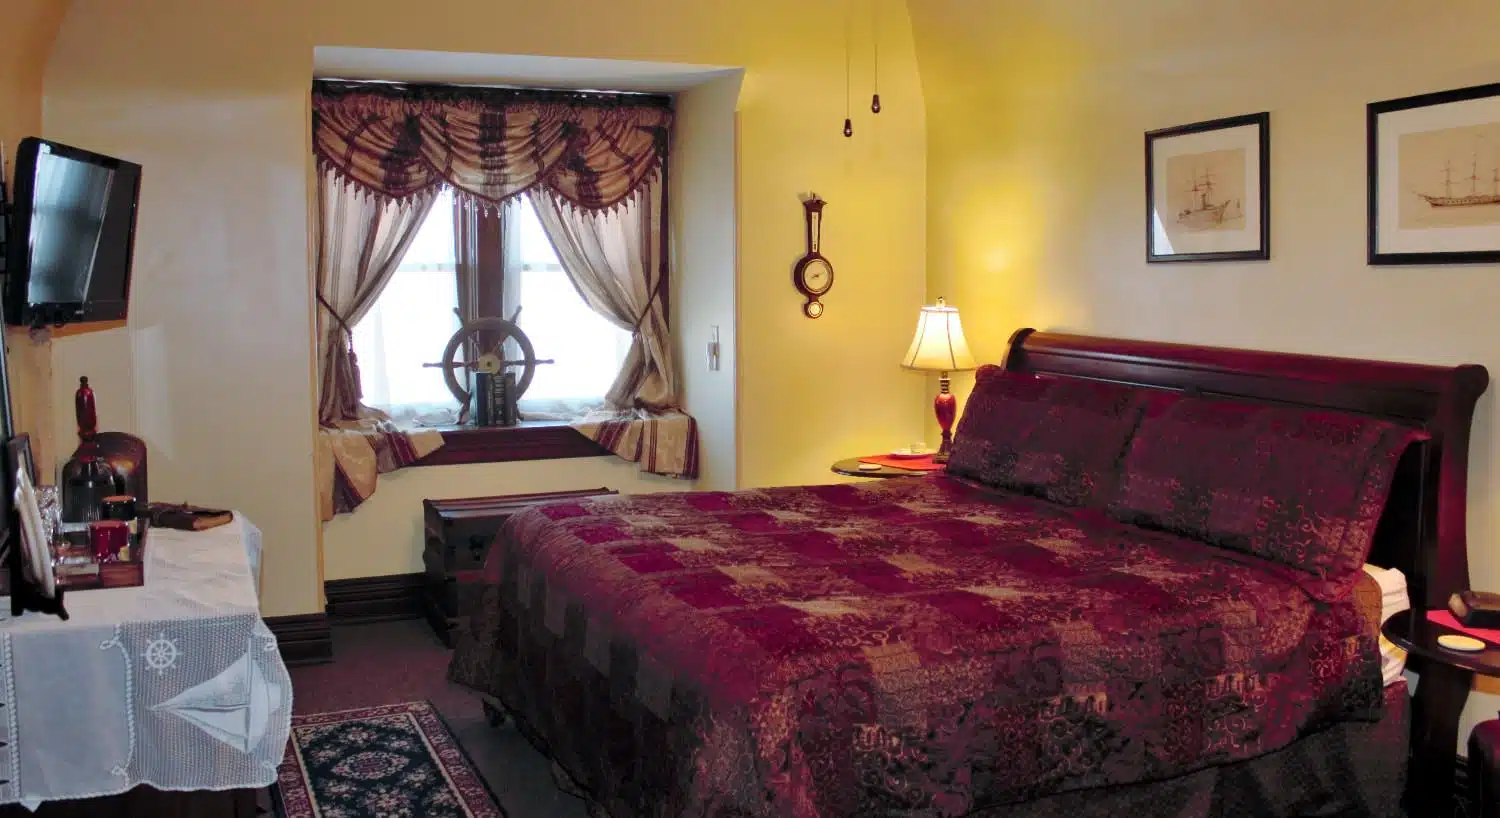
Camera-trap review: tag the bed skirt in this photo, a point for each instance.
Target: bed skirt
(1352, 768)
(1349, 769)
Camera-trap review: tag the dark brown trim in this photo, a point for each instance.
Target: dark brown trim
(374, 599)
(502, 444)
(304, 639)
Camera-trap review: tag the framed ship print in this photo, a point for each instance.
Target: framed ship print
(1434, 177)
(1208, 190)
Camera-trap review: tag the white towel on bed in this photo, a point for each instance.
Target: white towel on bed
(1391, 581)
(1393, 600)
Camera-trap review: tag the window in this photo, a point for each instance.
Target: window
(587, 348)
(416, 314)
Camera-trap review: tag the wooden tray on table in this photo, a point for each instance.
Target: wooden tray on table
(125, 573)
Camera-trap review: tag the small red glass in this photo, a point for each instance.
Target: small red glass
(108, 538)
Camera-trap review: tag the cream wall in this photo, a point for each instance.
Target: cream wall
(704, 253)
(385, 535)
(211, 97)
(1036, 113)
(26, 35)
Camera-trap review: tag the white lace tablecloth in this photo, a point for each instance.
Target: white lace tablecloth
(177, 684)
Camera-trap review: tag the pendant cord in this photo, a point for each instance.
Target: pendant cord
(875, 26)
(848, 71)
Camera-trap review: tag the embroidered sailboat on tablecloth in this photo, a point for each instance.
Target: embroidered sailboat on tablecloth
(234, 707)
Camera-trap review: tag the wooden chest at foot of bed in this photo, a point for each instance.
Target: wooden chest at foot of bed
(458, 536)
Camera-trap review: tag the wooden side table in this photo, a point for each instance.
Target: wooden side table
(851, 468)
(1447, 676)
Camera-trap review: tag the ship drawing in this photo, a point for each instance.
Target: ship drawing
(1474, 198)
(1205, 212)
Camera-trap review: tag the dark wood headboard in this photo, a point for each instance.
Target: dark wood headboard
(1439, 399)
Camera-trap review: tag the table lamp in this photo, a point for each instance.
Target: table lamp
(939, 346)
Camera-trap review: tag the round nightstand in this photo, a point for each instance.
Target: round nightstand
(1446, 676)
(851, 468)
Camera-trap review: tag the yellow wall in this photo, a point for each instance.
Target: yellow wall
(1036, 205)
(25, 41)
(26, 35)
(211, 97)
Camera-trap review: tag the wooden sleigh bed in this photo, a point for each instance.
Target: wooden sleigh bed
(1035, 633)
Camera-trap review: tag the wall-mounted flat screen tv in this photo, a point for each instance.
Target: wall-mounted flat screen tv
(72, 235)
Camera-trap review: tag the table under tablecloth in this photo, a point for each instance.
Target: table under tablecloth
(177, 683)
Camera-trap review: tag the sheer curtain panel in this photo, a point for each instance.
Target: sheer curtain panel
(361, 241)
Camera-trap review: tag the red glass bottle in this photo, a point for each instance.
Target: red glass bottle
(85, 411)
(86, 479)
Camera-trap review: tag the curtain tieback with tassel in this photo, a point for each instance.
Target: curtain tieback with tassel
(645, 312)
(344, 325)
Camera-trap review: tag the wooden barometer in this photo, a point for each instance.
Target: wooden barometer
(813, 275)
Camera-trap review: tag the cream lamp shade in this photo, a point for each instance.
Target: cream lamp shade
(939, 344)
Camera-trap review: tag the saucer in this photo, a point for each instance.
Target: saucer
(1467, 644)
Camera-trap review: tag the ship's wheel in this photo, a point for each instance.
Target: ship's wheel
(472, 338)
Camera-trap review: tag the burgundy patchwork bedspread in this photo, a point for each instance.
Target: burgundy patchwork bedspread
(905, 647)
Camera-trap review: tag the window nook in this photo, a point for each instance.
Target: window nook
(489, 199)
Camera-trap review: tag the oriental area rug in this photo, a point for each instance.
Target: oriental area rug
(392, 761)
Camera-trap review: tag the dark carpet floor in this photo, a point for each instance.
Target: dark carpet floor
(393, 662)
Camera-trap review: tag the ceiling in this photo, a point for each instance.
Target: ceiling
(511, 69)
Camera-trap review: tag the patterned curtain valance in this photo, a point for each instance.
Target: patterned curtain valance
(592, 151)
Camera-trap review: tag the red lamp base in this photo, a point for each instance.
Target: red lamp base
(946, 408)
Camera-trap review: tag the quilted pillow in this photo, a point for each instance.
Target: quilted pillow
(1059, 438)
(1304, 488)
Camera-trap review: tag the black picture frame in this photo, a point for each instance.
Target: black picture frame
(1373, 112)
(1262, 122)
